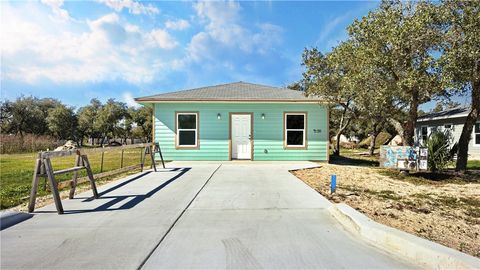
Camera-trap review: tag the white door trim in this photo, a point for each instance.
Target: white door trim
(231, 143)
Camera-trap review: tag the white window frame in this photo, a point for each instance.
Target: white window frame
(421, 133)
(178, 130)
(304, 130)
(475, 136)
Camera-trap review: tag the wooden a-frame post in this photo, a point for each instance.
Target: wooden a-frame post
(156, 149)
(43, 168)
(151, 150)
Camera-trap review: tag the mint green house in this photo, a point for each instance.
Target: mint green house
(240, 121)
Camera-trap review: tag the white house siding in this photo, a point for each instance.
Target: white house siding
(473, 150)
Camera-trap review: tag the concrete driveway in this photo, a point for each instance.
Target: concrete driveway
(195, 215)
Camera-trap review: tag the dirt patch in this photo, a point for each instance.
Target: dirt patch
(446, 213)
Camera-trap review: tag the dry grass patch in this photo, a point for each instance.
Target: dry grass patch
(445, 212)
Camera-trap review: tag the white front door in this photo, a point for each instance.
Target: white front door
(241, 134)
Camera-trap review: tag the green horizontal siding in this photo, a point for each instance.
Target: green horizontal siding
(268, 132)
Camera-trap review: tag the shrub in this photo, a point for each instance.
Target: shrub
(10, 144)
(440, 152)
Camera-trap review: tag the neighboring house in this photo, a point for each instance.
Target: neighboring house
(453, 121)
(240, 121)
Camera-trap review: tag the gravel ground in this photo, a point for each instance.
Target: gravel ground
(444, 212)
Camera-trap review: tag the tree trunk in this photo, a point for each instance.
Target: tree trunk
(372, 143)
(341, 127)
(336, 150)
(21, 138)
(462, 156)
(412, 119)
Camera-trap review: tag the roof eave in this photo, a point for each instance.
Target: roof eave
(425, 119)
(153, 100)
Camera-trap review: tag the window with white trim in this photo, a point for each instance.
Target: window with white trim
(477, 133)
(424, 133)
(187, 129)
(295, 128)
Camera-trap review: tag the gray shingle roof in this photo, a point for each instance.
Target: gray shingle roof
(450, 113)
(238, 91)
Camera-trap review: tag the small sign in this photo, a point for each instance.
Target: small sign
(404, 158)
(423, 165)
(423, 152)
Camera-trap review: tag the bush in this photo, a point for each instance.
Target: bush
(440, 153)
(10, 144)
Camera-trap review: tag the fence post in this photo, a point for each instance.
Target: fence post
(101, 163)
(121, 162)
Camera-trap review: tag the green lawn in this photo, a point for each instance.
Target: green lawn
(355, 157)
(473, 165)
(16, 172)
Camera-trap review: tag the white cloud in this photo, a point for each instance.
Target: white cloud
(223, 29)
(56, 6)
(162, 39)
(108, 49)
(327, 30)
(199, 46)
(129, 100)
(177, 25)
(218, 12)
(131, 5)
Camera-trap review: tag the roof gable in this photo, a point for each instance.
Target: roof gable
(238, 91)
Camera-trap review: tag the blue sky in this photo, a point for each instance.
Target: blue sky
(75, 51)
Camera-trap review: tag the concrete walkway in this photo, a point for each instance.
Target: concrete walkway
(205, 215)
